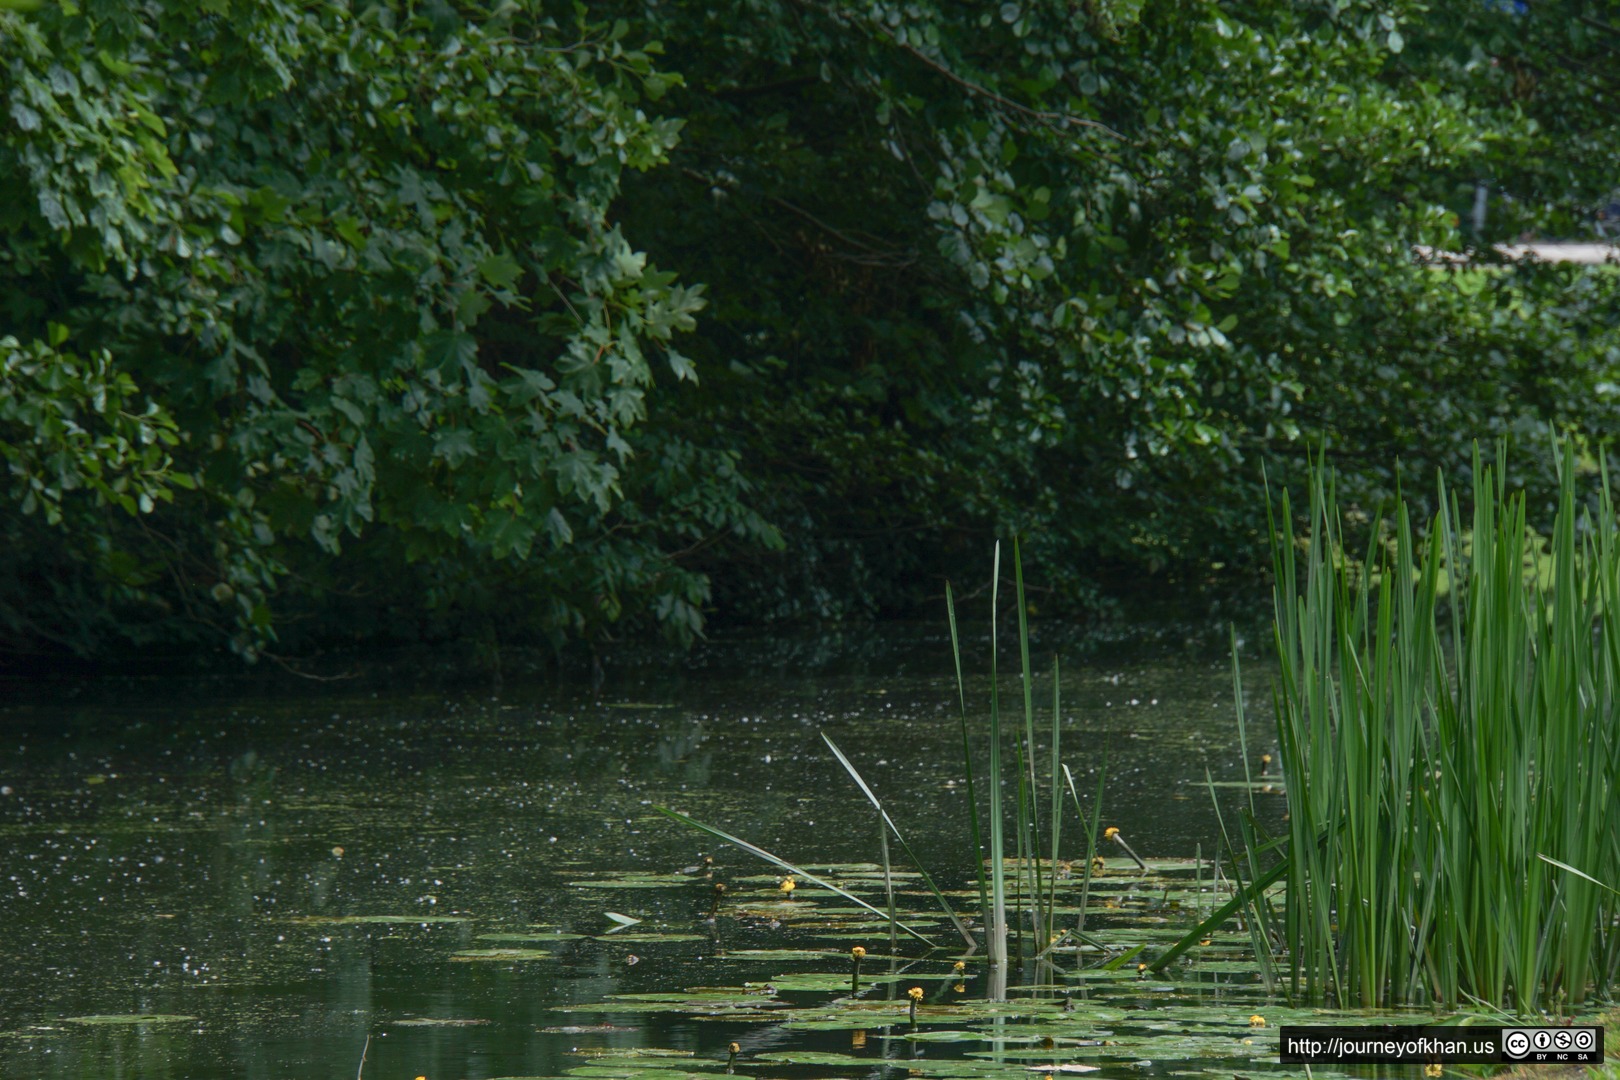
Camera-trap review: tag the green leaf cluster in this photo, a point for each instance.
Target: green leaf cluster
(562, 321)
(362, 261)
(1076, 271)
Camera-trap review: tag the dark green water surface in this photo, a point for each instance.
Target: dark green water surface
(276, 872)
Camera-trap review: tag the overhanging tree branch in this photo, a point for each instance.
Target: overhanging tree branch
(1056, 119)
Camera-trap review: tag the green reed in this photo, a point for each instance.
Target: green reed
(886, 820)
(996, 918)
(1453, 796)
(1035, 882)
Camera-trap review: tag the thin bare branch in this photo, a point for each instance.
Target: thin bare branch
(1057, 119)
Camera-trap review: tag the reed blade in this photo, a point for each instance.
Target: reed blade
(799, 871)
(1056, 826)
(1090, 826)
(888, 881)
(1028, 811)
(871, 796)
(997, 927)
(967, 766)
(1243, 898)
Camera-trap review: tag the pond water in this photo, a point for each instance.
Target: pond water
(279, 879)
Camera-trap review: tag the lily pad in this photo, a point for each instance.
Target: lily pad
(636, 879)
(866, 875)
(498, 955)
(789, 954)
(635, 1052)
(1274, 1015)
(651, 1069)
(1086, 1018)
(828, 981)
(698, 1001)
(964, 1035)
(846, 1014)
(434, 1021)
(815, 1057)
(382, 920)
(116, 1019)
(1243, 967)
(852, 1065)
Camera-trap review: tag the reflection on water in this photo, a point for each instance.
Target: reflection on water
(197, 853)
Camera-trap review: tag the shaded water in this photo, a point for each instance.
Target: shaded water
(285, 872)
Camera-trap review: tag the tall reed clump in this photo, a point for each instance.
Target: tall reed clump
(1449, 725)
(1035, 884)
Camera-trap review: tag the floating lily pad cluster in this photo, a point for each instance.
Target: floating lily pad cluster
(778, 967)
(1092, 1009)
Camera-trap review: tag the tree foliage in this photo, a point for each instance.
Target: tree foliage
(328, 319)
(1079, 271)
(366, 261)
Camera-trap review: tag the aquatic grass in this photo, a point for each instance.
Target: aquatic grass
(967, 762)
(1451, 801)
(888, 886)
(761, 853)
(1029, 873)
(1090, 825)
(996, 928)
(1055, 828)
(1035, 879)
(1260, 921)
(866, 789)
(129, 1019)
(1036, 893)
